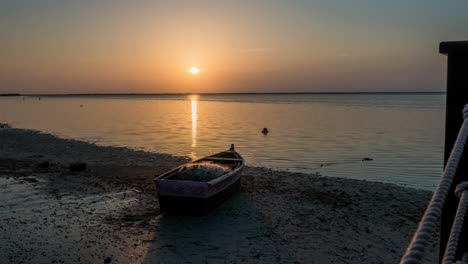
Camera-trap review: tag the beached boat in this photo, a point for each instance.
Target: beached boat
(199, 186)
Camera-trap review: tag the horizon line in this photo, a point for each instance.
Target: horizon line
(239, 93)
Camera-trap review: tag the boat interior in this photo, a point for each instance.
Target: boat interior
(228, 159)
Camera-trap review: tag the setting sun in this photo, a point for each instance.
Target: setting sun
(194, 70)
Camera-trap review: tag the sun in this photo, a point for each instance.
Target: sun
(194, 70)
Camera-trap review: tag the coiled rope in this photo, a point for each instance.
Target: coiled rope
(461, 192)
(420, 241)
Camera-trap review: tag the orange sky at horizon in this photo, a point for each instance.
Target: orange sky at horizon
(148, 47)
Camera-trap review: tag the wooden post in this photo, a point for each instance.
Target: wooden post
(457, 97)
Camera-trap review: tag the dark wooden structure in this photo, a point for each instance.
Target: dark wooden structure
(457, 97)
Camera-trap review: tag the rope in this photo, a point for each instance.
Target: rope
(461, 192)
(420, 241)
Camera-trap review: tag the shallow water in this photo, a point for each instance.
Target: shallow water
(325, 133)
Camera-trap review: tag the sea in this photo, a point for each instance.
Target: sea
(385, 137)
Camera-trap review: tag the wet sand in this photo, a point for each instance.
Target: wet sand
(109, 214)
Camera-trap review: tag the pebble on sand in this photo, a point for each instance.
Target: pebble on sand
(43, 165)
(79, 166)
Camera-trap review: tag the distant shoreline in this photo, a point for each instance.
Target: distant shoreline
(10, 94)
(168, 94)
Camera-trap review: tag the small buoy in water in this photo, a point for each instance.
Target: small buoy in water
(367, 159)
(265, 131)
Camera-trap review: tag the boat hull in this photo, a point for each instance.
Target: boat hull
(195, 205)
(198, 197)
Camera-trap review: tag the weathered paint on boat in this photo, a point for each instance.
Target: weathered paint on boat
(189, 196)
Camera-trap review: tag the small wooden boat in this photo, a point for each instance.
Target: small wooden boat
(198, 186)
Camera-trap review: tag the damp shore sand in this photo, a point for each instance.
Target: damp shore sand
(109, 214)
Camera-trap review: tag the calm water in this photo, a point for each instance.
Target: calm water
(403, 133)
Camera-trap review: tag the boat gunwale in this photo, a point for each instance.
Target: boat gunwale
(211, 182)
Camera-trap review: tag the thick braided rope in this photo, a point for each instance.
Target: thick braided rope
(450, 251)
(416, 248)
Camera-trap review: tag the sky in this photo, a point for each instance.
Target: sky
(115, 46)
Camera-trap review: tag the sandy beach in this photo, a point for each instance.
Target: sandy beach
(109, 214)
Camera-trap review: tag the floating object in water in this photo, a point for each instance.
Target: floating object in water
(265, 131)
(367, 159)
(198, 186)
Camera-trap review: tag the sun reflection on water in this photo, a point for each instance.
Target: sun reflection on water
(194, 99)
(402, 132)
